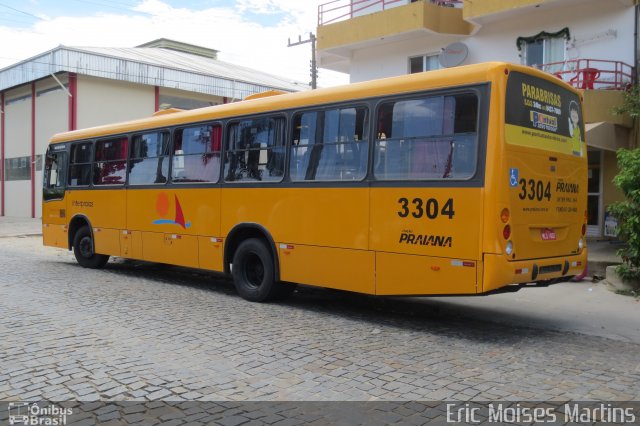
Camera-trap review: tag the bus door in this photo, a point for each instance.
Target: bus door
(54, 213)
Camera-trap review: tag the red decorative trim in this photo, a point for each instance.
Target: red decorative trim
(73, 101)
(157, 92)
(2, 154)
(33, 149)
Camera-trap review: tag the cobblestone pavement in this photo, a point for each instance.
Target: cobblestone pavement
(152, 332)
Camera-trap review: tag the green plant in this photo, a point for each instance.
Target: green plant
(628, 212)
(631, 103)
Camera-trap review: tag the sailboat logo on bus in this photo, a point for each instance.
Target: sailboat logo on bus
(162, 208)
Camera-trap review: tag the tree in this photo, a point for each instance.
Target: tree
(628, 212)
(628, 181)
(630, 104)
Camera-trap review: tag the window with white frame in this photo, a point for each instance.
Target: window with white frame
(424, 63)
(543, 48)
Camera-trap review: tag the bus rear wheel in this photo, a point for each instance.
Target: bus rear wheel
(254, 272)
(83, 250)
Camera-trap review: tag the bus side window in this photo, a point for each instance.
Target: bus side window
(255, 150)
(419, 139)
(80, 164)
(330, 145)
(196, 154)
(465, 151)
(52, 172)
(149, 162)
(303, 145)
(110, 167)
(55, 169)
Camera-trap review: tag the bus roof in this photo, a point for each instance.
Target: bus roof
(463, 75)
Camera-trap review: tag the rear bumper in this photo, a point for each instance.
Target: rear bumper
(499, 272)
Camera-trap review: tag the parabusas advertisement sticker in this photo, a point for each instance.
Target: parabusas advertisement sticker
(541, 114)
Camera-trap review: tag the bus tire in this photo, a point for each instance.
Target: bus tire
(83, 250)
(254, 272)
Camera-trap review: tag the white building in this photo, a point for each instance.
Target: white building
(69, 88)
(588, 43)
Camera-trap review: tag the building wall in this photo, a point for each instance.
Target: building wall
(17, 111)
(52, 116)
(99, 101)
(175, 98)
(496, 40)
(599, 30)
(102, 101)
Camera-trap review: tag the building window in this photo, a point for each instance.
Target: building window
(149, 159)
(19, 168)
(255, 150)
(424, 63)
(167, 101)
(543, 48)
(196, 154)
(329, 145)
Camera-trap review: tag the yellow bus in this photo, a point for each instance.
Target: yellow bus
(469, 180)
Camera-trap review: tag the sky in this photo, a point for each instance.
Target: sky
(253, 33)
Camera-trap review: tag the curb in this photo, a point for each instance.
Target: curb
(599, 267)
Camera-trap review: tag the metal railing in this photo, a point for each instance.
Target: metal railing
(341, 10)
(592, 73)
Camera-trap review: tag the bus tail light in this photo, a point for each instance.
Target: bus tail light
(509, 248)
(584, 228)
(580, 244)
(506, 232)
(505, 215)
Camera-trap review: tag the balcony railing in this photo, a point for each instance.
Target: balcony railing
(341, 10)
(592, 73)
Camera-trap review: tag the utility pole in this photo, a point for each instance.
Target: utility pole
(314, 65)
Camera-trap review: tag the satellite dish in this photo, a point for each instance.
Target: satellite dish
(453, 55)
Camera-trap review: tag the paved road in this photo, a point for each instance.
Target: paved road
(585, 307)
(143, 331)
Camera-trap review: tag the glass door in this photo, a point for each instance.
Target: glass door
(594, 200)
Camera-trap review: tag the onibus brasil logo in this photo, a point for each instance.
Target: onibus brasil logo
(32, 414)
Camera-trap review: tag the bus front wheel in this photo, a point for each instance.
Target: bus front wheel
(253, 271)
(83, 250)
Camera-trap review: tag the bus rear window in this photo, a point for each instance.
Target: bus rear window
(544, 115)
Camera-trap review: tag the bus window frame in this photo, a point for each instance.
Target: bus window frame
(171, 156)
(229, 122)
(372, 104)
(483, 93)
(92, 142)
(421, 96)
(368, 125)
(169, 131)
(55, 193)
(95, 162)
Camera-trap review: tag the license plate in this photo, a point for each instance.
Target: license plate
(548, 234)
